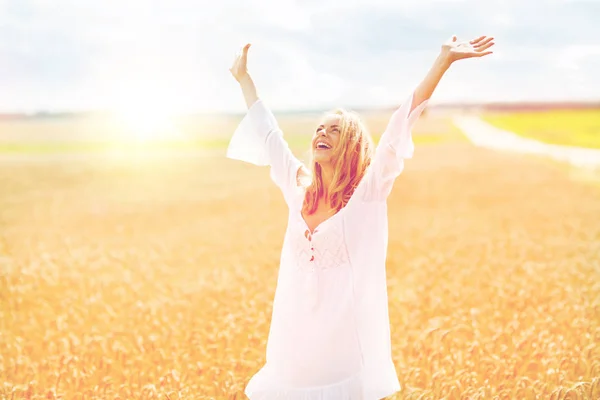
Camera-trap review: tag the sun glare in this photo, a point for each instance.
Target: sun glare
(146, 124)
(144, 120)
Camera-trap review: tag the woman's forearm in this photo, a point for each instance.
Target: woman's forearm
(427, 86)
(249, 90)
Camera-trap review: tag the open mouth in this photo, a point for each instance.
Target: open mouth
(322, 146)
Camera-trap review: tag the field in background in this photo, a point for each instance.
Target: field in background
(569, 127)
(101, 133)
(155, 278)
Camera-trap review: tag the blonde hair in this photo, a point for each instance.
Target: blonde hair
(350, 159)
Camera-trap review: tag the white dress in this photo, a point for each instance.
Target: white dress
(329, 337)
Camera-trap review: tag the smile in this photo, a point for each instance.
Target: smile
(323, 146)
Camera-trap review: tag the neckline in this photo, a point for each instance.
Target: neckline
(322, 222)
(301, 202)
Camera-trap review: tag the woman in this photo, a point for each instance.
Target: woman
(330, 335)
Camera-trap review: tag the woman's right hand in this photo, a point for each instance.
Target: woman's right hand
(239, 68)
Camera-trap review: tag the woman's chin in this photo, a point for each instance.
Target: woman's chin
(321, 157)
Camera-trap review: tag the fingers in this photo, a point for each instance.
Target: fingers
(484, 47)
(485, 53)
(451, 40)
(245, 51)
(238, 66)
(476, 40)
(240, 55)
(483, 42)
(242, 50)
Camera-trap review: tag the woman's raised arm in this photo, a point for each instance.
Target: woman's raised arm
(239, 70)
(451, 51)
(396, 142)
(258, 138)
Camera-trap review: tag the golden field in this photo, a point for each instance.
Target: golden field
(154, 278)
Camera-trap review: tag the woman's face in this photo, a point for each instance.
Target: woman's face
(328, 133)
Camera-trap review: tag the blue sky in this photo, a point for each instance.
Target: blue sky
(61, 55)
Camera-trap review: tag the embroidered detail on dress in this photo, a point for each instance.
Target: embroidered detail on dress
(322, 250)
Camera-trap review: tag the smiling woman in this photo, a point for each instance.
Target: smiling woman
(330, 330)
(341, 148)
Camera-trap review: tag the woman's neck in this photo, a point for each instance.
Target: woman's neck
(326, 178)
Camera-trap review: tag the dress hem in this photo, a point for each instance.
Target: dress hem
(356, 387)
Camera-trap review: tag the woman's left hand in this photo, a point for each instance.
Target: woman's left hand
(453, 50)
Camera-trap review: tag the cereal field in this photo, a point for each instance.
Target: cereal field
(154, 278)
(564, 127)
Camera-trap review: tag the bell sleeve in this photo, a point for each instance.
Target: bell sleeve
(394, 146)
(259, 140)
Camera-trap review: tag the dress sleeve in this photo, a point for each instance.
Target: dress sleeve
(394, 146)
(259, 140)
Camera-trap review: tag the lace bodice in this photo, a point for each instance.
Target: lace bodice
(324, 248)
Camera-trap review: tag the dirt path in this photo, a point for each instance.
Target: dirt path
(486, 135)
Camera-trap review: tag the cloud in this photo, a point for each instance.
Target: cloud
(66, 54)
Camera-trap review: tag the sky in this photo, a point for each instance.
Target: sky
(175, 55)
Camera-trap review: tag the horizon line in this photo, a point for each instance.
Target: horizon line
(525, 104)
